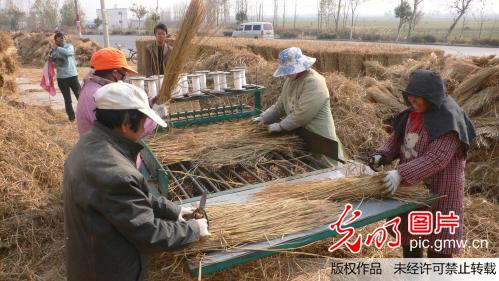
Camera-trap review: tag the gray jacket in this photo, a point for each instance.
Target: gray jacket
(112, 223)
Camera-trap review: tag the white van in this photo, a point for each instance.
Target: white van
(256, 30)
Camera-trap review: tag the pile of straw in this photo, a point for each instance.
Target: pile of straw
(33, 142)
(182, 48)
(33, 48)
(331, 57)
(219, 145)
(8, 65)
(357, 124)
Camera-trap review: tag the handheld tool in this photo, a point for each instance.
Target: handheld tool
(200, 212)
(370, 161)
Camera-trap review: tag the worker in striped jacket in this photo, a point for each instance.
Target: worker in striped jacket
(431, 139)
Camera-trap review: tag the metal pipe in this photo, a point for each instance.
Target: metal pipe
(222, 180)
(194, 181)
(268, 171)
(312, 159)
(238, 176)
(207, 179)
(252, 173)
(296, 160)
(177, 183)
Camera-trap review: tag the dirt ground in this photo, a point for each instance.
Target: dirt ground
(28, 81)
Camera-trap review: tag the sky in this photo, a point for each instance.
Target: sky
(305, 7)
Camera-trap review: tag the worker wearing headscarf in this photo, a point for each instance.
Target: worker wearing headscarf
(431, 139)
(304, 99)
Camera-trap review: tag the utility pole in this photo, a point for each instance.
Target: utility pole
(78, 23)
(104, 23)
(157, 10)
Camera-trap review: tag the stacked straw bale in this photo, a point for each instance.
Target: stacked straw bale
(8, 65)
(33, 48)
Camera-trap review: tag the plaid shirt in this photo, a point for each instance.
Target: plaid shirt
(440, 164)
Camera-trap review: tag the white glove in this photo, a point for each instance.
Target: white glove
(258, 120)
(184, 211)
(392, 181)
(376, 159)
(274, 128)
(203, 227)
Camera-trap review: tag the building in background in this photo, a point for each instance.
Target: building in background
(117, 18)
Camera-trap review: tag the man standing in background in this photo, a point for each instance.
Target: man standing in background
(158, 52)
(63, 57)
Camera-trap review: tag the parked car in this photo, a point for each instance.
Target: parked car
(256, 30)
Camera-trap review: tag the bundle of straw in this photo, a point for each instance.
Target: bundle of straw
(344, 189)
(221, 145)
(281, 209)
(182, 48)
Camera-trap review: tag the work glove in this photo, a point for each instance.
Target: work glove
(258, 120)
(392, 181)
(274, 128)
(184, 211)
(203, 227)
(375, 161)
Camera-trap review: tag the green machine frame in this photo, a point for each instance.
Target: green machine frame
(158, 177)
(158, 180)
(218, 113)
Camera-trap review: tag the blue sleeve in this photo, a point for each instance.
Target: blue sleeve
(67, 50)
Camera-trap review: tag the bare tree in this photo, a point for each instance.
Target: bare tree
(403, 13)
(346, 13)
(284, 14)
(461, 7)
(226, 10)
(15, 16)
(337, 18)
(414, 16)
(139, 11)
(294, 20)
(353, 8)
(276, 10)
(330, 7)
(323, 13)
(480, 16)
(44, 15)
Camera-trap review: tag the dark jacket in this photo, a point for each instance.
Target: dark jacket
(111, 220)
(151, 59)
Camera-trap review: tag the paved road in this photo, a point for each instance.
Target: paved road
(128, 41)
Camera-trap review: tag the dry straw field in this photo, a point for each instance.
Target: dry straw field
(364, 85)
